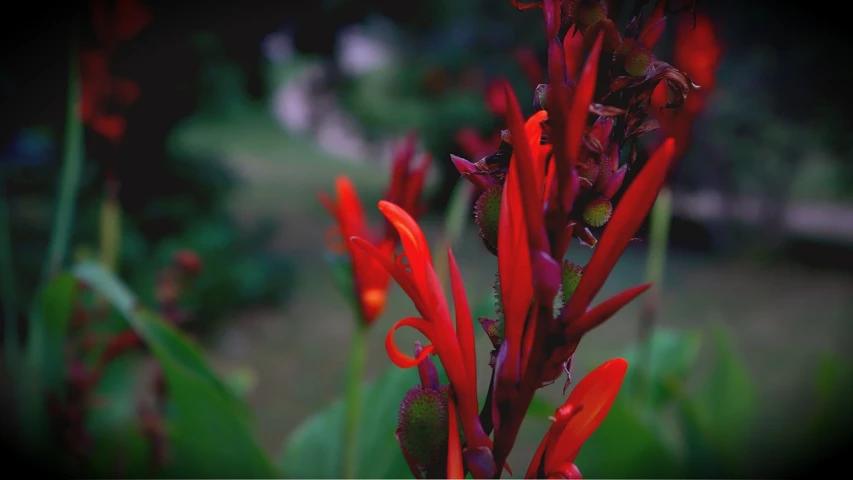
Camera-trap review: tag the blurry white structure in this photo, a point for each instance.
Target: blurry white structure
(293, 102)
(360, 52)
(301, 106)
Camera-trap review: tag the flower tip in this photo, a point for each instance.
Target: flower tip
(462, 165)
(616, 365)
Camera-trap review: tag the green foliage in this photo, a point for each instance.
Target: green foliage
(207, 426)
(665, 423)
(314, 450)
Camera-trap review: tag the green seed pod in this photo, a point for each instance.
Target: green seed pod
(487, 213)
(422, 426)
(597, 212)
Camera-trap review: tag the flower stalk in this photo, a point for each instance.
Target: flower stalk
(355, 373)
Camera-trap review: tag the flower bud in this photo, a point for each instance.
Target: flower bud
(635, 57)
(597, 212)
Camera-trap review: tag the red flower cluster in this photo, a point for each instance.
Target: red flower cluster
(370, 280)
(551, 179)
(101, 92)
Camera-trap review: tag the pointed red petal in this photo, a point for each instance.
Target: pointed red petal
(652, 33)
(455, 469)
(582, 98)
(605, 310)
(573, 51)
(627, 217)
(593, 396)
(464, 322)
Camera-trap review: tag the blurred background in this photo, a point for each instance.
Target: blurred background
(243, 111)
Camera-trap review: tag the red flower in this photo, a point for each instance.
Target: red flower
(454, 346)
(101, 93)
(698, 53)
(370, 279)
(576, 420)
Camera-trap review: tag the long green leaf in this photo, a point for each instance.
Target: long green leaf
(72, 164)
(208, 427)
(673, 355)
(627, 445)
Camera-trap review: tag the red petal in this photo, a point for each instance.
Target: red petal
(604, 311)
(455, 469)
(464, 322)
(573, 51)
(396, 355)
(593, 396)
(627, 217)
(654, 18)
(400, 275)
(581, 100)
(652, 33)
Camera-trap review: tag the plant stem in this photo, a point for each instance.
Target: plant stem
(660, 220)
(357, 361)
(7, 281)
(110, 226)
(72, 164)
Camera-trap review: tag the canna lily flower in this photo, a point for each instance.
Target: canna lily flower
(576, 420)
(454, 346)
(537, 345)
(369, 279)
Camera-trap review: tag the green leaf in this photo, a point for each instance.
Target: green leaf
(716, 421)
(628, 444)
(50, 327)
(669, 355)
(314, 450)
(540, 408)
(208, 427)
(833, 377)
(242, 381)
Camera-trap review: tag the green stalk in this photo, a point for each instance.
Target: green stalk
(7, 281)
(72, 164)
(110, 228)
(357, 361)
(660, 220)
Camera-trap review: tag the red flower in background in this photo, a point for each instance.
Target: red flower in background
(698, 53)
(370, 278)
(102, 94)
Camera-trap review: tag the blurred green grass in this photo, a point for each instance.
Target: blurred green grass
(784, 317)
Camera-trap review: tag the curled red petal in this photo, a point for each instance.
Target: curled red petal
(396, 355)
